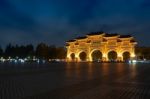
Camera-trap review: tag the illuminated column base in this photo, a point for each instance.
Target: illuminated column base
(77, 59)
(67, 59)
(72, 60)
(89, 59)
(104, 59)
(133, 57)
(120, 59)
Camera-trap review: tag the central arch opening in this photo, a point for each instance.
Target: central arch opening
(72, 56)
(112, 56)
(82, 56)
(96, 56)
(126, 56)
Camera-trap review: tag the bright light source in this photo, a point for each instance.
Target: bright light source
(21, 60)
(38, 61)
(132, 55)
(15, 61)
(119, 55)
(134, 61)
(25, 59)
(104, 55)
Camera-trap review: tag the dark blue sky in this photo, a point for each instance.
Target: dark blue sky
(55, 21)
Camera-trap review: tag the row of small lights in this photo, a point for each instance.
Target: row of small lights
(20, 60)
(23, 60)
(17, 59)
(140, 61)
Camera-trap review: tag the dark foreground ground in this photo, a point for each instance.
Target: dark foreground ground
(75, 81)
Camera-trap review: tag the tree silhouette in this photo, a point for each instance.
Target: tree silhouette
(1, 52)
(42, 51)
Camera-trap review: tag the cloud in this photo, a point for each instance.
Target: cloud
(55, 21)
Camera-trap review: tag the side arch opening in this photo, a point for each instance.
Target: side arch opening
(96, 56)
(112, 56)
(72, 56)
(83, 56)
(126, 56)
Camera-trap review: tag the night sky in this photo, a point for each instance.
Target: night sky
(55, 21)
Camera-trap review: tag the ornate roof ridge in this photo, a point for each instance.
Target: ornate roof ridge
(70, 40)
(125, 36)
(95, 33)
(81, 37)
(111, 34)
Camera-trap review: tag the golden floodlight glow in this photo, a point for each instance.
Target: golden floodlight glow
(105, 43)
(119, 55)
(133, 55)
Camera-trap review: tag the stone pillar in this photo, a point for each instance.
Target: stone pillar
(104, 57)
(68, 58)
(77, 58)
(133, 56)
(119, 58)
(89, 59)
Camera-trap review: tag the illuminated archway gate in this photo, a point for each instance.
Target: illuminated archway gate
(102, 42)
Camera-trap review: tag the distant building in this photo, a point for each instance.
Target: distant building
(100, 46)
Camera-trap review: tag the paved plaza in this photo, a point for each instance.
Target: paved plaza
(75, 81)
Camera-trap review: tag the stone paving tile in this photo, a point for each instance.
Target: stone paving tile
(9, 89)
(96, 81)
(111, 92)
(98, 91)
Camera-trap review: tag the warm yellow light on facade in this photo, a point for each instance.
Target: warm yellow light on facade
(68, 56)
(132, 55)
(90, 58)
(102, 42)
(119, 54)
(104, 55)
(77, 57)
